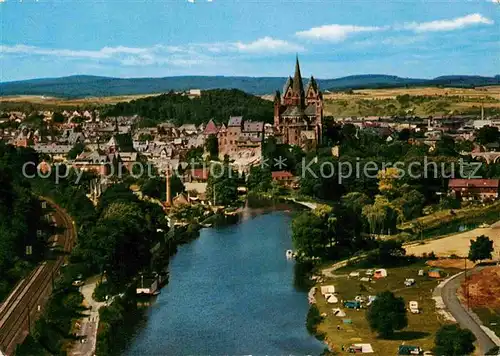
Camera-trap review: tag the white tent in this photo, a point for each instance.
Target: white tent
(338, 312)
(380, 273)
(327, 289)
(333, 299)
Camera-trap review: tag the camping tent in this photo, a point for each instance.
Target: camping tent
(380, 273)
(338, 312)
(332, 299)
(327, 289)
(434, 273)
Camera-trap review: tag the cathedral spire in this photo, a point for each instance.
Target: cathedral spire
(298, 86)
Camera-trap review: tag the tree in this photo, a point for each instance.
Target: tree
(145, 137)
(451, 340)
(212, 146)
(481, 248)
(387, 314)
(76, 150)
(487, 134)
(222, 185)
(58, 118)
(309, 234)
(260, 179)
(390, 252)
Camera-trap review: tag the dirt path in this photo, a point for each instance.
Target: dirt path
(89, 324)
(457, 244)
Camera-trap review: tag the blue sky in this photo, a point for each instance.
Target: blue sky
(334, 38)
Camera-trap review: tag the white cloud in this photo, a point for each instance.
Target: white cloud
(179, 56)
(268, 44)
(449, 25)
(103, 53)
(494, 1)
(335, 33)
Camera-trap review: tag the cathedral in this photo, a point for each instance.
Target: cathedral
(298, 114)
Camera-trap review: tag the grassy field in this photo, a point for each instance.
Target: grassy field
(490, 318)
(423, 101)
(364, 102)
(421, 327)
(69, 103)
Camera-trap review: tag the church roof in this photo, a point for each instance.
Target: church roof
(298, 85)
(312, 83)
(288, 83)
(310, 110)
(294, 111)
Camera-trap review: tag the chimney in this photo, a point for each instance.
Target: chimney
(169, 193)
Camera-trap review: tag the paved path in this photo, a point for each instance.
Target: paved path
(448, 291)
(89, 324)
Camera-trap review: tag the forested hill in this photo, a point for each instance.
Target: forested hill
(85, 85)
(216, 104)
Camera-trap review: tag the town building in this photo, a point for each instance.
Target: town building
(240, 137)
(474, 189)
(285, 178)
(298, 114)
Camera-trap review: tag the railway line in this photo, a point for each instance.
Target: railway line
(26, 302)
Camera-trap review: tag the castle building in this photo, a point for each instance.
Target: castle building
(298, 114)
(240, 136)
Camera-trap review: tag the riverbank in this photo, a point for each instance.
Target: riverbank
(257, 307)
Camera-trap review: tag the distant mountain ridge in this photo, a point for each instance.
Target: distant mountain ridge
(78, 86)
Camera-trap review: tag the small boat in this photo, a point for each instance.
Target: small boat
(289, 254)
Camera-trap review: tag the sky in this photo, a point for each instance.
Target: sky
(333, 38)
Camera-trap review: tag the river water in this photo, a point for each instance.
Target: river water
(231, 292)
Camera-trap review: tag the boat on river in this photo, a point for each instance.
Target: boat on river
(289, 254)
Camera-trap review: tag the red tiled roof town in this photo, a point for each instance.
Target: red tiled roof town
(474, 183)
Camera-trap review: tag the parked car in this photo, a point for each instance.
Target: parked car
(78, 283)
(354, 349)
(409, 282)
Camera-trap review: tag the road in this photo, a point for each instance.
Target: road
(26, 302)
(449, 294)
(89, 324)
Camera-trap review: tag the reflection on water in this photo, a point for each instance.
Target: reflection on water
(231, 291)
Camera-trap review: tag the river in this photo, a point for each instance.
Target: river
(231, 292)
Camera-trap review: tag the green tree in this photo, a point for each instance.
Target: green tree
(387, 314)
(212, 146)
(222, 185)
(309, 234)
(76, 150)
(145, 137)
(390, 252)
(58, 118)
(451, 340)
(260, 179)
(487, 134)
(481, 248)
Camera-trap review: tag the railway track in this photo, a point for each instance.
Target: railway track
(26, 302)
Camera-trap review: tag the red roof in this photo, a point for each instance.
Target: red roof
(474, 183)
(199, 173)
(211, 128)
(282, 174)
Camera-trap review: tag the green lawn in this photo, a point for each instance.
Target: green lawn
(421, 327)
(490, 318)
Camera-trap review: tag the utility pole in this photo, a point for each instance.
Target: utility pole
(466, 284)
(29, 319)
